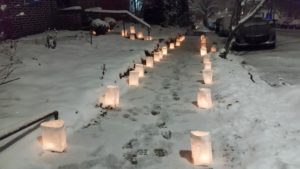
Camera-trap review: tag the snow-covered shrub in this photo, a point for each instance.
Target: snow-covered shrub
(295, 23)
(111, 21)
(99, 22)
(101, 27)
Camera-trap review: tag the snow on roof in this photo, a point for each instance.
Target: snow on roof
(295, 22)
(72, 8)
(21, 14)
(95, 9)
(284, 20)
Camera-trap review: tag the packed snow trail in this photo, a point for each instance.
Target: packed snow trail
(153, 124)
(154, 120)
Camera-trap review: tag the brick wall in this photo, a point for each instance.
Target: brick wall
(88, 3)
(69, 20)
(73, 19)
(115, 4)
(45, 14)
(37, 17)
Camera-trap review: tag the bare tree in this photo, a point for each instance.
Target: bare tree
(8, 49)
(239, 24)
(136, 6)
(204, 8)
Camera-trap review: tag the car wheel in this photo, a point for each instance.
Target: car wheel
(235, 47)
(272, 46)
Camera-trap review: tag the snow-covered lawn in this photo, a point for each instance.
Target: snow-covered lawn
(262, 128)
(253, 125)
(67, 78)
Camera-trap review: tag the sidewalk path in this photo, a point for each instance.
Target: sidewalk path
(152, 126)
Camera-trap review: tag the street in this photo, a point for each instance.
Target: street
(280, 66)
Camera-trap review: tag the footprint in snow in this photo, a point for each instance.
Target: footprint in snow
(154, 113)
(160, 152)
(166, 135)
(131, 144)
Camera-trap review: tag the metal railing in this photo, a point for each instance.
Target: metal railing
(7, 134)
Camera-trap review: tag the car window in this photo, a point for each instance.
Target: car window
(256, 22)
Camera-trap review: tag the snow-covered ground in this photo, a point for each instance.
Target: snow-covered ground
(280, 66)
(67, 78)
(253, 125)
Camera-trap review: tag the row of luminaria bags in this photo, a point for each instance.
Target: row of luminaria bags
(201, 140)
(53, 132)
(132, 34)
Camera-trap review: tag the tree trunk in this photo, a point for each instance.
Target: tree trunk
(135, 7)
(236, 14)
(225, 50)
(205, 20)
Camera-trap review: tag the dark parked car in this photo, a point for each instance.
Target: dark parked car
(256, 32)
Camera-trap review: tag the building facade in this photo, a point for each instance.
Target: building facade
(24, 17)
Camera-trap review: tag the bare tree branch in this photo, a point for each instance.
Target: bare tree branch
(5, 82)
(5, 73)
